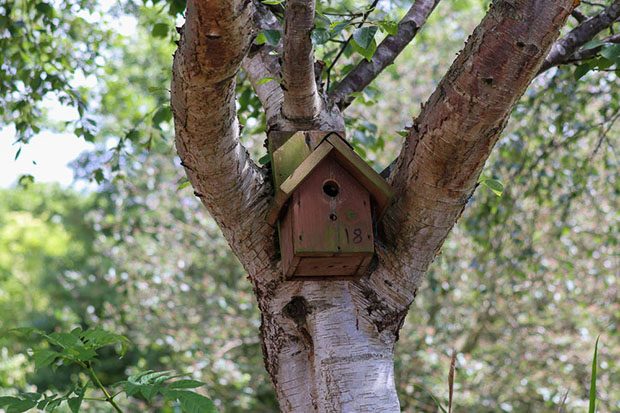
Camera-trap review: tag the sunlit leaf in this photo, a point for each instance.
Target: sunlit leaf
(494, 185)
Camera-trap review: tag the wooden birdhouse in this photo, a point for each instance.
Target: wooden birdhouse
(326, 205)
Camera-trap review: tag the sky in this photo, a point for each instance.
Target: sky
(46, 157)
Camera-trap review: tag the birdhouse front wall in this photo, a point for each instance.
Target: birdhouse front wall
(327, 229)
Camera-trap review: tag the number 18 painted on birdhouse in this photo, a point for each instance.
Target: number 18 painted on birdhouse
(326, 204)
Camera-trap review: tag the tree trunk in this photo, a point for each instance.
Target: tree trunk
(329, 346)
(325, 354)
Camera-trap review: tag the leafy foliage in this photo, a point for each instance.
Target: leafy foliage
(81, 347)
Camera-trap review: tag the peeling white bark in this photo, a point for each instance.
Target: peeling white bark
(337, 359)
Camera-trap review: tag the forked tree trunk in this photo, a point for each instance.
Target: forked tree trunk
(329, 345)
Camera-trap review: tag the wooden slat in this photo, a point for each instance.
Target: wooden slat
(328, 266)
(288, 157)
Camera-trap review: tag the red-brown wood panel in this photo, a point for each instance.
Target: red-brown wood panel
(331, 213)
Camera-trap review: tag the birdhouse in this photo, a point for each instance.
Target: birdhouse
(326, 205)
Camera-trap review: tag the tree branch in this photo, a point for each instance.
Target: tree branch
(365, 72)
(261, 63)
(564, 48)
(214, 40)
(301, 97)
(364, 16)
(442, 157)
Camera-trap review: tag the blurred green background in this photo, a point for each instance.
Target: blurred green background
(524, 285)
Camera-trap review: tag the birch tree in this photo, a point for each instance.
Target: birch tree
(328, 345)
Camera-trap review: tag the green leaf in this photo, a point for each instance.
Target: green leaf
(191, 402)
(592, 404)
(8, 400)
(403, 133)
(163, 114)
(98, 175)
(44, 357)
(148, 383)
(75, 402)
(16, 405)
(366, 52)
(160, 30)
(494, 185)
(592, 44)
(176, 7)
(53, 404)
(183, 185)
(132, 135)
(64, 340)
(272, 37)
(26, 331)
(388, 26)
(186, 384)
(272, 2)
(320, 36)
(265, 159)
(17, 153)
(337, 27)
(364, 36)
(45, 8)
(581, 70)
(149, 377)
(98, 338)
(321, 21)
(260, 39)
(612, 53)
(25, 181)
(265, 80)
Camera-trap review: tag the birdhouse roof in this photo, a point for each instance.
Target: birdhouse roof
(333, 145)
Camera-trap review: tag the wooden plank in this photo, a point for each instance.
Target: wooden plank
(306, 167)
(288, 157)
(327, 266)
(364, 264)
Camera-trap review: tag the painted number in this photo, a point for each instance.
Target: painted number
(357, 235)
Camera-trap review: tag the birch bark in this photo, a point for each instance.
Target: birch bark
(328, 346)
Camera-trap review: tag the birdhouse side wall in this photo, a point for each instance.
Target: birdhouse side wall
(289, 261)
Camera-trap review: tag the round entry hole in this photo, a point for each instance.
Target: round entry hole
(333, 217)
(331, 188)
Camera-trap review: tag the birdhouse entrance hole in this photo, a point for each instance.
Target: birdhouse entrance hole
(331, 188)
